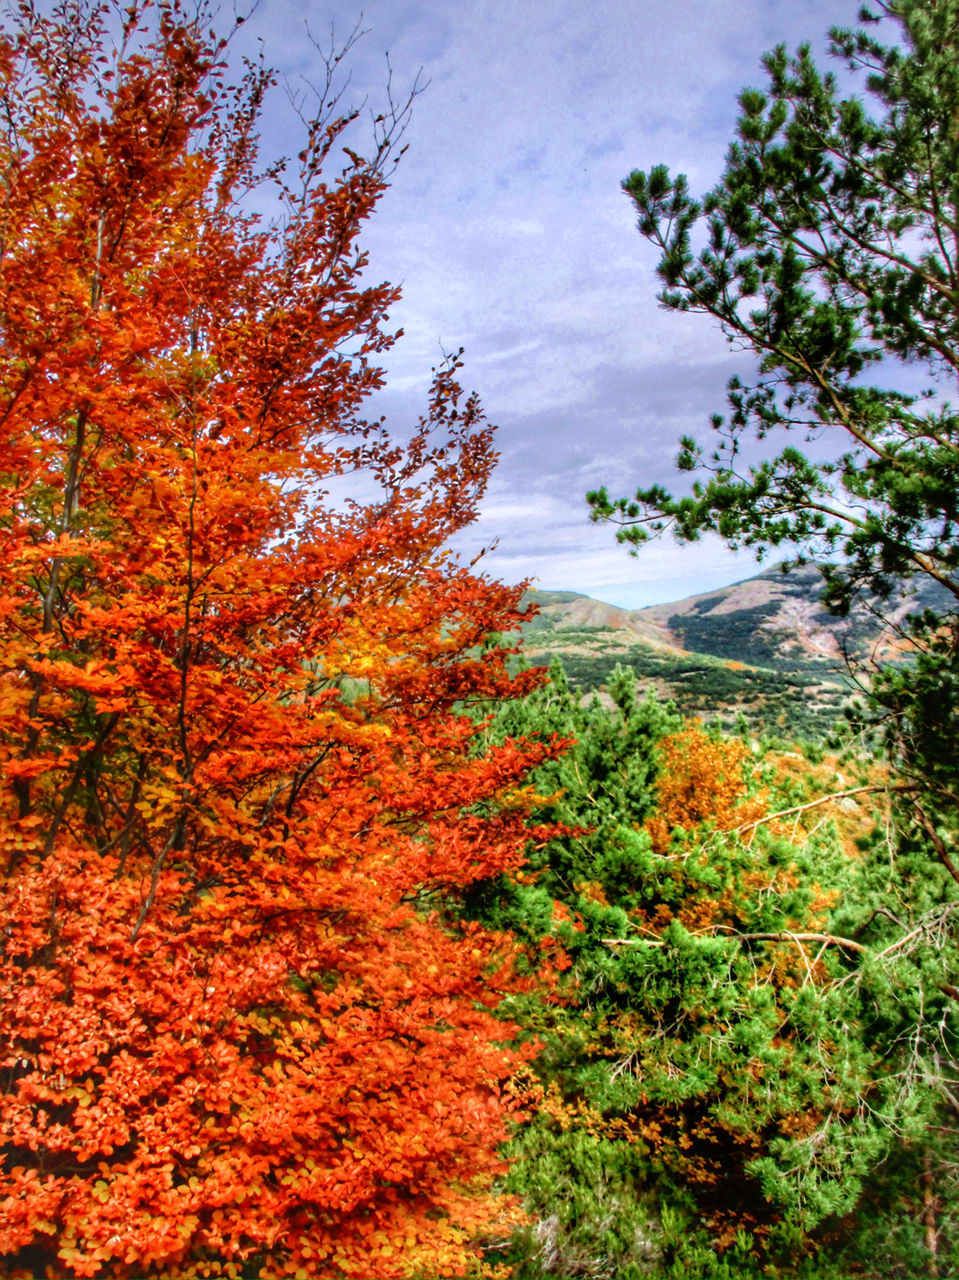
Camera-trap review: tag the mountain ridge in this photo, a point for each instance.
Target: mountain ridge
(764, 647)
(770, 615)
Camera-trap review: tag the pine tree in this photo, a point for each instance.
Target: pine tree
(830, 248)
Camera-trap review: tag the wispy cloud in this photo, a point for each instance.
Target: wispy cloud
(507, 229)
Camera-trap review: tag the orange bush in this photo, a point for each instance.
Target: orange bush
(701, 779)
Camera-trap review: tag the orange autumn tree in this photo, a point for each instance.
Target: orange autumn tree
(701, 779)
(241, 1031)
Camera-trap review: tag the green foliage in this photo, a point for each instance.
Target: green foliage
(829, 248)
(612, 748)
(592, 1212)
(716, 1101)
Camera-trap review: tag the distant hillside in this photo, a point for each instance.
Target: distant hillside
(777, 619)
(764, 647)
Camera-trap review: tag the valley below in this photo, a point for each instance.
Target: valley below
(764, 648)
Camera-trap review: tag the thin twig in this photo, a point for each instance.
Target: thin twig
(158, 862)
(835, 795)
(828, 939)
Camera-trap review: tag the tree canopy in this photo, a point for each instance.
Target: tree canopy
(240, 1030)
(830, 248)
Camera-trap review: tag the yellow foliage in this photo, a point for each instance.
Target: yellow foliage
(701, 780)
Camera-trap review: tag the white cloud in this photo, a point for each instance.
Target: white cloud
(507, 229)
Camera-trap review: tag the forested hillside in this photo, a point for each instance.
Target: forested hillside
(764, 649)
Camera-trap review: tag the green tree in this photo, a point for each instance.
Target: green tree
(706, 1084)
(830, 247)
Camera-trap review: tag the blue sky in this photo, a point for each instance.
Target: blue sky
(506, 228)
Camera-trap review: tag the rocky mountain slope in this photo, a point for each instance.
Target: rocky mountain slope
(764, 647)
(779, 617)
